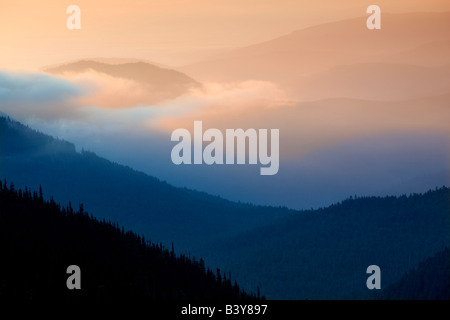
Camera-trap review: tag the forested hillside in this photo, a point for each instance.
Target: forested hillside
(134, 199)
(430, 280)
(40, 239)
(324, 254)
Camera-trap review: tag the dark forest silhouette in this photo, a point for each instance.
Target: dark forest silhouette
(39, 239)
(429, 281)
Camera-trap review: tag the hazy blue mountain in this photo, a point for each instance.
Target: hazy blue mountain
(430, 280)
(324, 254)
(112, 191)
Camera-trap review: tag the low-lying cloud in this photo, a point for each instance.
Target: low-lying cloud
(106, 101)
(28, 95)
(105, 91)
(116, 119)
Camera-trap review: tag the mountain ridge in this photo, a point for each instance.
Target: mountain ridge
(135, 199)
(40, 239)
(315, 49)
(157, 83)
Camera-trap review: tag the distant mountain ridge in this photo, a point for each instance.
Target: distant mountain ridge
(110, 60)
(317, 48)
(162, 83)
(140, 202)
(345, 59)
(324, 253)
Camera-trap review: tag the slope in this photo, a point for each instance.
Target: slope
(303, 52)
(39, 240)
(324, 254)
(429, 281)
(112, 191)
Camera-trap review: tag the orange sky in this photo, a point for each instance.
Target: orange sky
(173, 32)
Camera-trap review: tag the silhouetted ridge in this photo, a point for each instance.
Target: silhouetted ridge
(39, 239)
(429, 281)
(324, 253)
(140, 202)
(164, 83)
(17, 139)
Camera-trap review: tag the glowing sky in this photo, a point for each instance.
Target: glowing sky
(173, 32)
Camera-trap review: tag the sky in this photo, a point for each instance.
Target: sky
(33, 34)
(359, 112)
